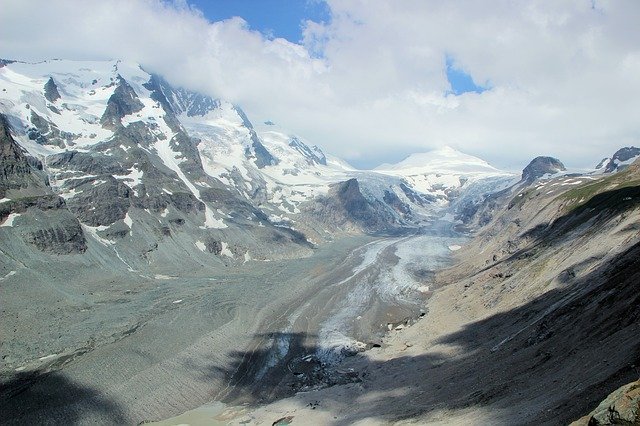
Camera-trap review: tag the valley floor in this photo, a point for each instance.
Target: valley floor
(537, 335)
(252, 335)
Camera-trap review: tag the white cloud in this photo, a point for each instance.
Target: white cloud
(370, 85)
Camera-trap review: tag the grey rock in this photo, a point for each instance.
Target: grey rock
(103, 203)
(621, 155)
(541, 166)
(51, 91)
(124, 101)
(15, 171)
(313, 154)
(180, 100)
(56, 232)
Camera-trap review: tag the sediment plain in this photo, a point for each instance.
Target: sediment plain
(159, 346)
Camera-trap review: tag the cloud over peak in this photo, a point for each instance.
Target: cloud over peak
(371, 84)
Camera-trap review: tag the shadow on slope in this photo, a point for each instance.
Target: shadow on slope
(548, 361)
(30, 398)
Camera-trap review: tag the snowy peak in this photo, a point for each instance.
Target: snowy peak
(620, 160)
(313, 154)
(443, 160)
(183, 101)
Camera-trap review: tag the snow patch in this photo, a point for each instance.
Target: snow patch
(44, 358)
(201, 246)
(10, 274)
(225, 250)
(93, 231)
(10, 219)
(210, 221)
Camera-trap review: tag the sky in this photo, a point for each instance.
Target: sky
(372, 81)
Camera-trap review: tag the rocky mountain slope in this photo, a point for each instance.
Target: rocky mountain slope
(124, 149)
(122, 196)
(536, 323)
(114, 183)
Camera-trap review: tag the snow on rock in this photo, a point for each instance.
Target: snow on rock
(9, 274)
(132, 180)
(225, 250)
(9, 220)
(128, 221)
(93, 231)
(201, 246)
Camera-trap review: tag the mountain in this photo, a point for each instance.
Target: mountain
(121, 145)
(112, 175)
(540, 167)
(535, 322)
(132, 210)
(449, 177)
(619, 160)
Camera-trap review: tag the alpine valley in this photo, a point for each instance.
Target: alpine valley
(161, 252)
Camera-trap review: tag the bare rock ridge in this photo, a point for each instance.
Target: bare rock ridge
(540, 166)
(15, 167)
(51, 91)
(124, 101)
(45, 221)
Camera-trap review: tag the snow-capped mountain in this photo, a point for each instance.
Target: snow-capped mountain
(443, 173)
(142, 170)
(619, 160)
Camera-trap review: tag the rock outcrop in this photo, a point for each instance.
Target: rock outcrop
(123, 101)
(541, 166)
(622, 407)
(51, 91)
(620, 159)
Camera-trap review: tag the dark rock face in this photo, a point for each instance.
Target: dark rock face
(621, 155)
(346, 206)
(5, 62)
(415, 197)
(61, 235)
(123, 101)
(15, 171)
(213, 246)
(603, 163)
(541, 166)
(48, 225)
(102, 204)
(162, 93)
(91, 164)
(45, 132)
(262, 157)
(51, 91)
(394, 201)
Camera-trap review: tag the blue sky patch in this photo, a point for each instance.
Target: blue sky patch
(460, 81)
(273, 18)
